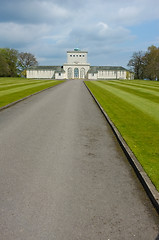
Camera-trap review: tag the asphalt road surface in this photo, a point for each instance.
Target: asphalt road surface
(63, 175)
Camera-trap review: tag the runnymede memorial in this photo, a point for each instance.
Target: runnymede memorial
(77, 67)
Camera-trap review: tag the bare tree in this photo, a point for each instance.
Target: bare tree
(26, 60)
(137, 65)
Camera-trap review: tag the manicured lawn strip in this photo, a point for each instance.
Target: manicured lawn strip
(20, 88)
(13, 95)
(148, 107)
(20, 80)
(140, 131)
(139, 85)
(139, 91)
(153, 85)
(17, 85)
(145, 82)
(4, 81)
(148, 83)
(11, 83)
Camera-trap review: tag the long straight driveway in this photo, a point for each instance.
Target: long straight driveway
(63, 175)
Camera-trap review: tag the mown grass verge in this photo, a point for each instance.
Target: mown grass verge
(13, 89)
(133, 106)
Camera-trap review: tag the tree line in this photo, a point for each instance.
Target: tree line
(14, 63)
(145, 65)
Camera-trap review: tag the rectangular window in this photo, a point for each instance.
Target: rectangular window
(70, 55)
(79, 55)
(83, 55)
(73, 55)
(59, 74)
(76, 55)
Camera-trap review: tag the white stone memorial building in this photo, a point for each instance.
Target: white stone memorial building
(77, 67)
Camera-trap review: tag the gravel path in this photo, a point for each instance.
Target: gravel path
(63, 175)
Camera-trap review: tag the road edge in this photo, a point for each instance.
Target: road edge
(22, 99)
(150, 189)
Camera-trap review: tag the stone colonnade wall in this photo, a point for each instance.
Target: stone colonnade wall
(72, 72)
(109, 74)
(40, 73)
(75, 71)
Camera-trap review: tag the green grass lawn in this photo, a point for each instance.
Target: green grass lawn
(13, 89)
(133, 106)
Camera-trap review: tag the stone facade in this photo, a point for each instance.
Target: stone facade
(78, 68)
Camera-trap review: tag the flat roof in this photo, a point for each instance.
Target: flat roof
(77, 52)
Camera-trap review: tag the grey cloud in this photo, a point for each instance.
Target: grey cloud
(32, 12)
(16, 35)
(49, 27)
(83, 11)
(100, 33)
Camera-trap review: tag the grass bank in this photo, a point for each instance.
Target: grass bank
(133, 106)
(13, 89)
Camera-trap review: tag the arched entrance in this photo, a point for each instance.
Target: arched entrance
(69, 73)
(76, 73)
(82, 73)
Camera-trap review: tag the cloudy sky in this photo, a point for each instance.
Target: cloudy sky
(110, 30)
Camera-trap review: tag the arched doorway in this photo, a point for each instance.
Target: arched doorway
(76, 73)
(82, 73)
(69, 73)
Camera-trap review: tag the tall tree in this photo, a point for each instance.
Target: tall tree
(13, 63)
(26, 60)
(11, 57)
(151, 62)
(4, 68)
(137, 65)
